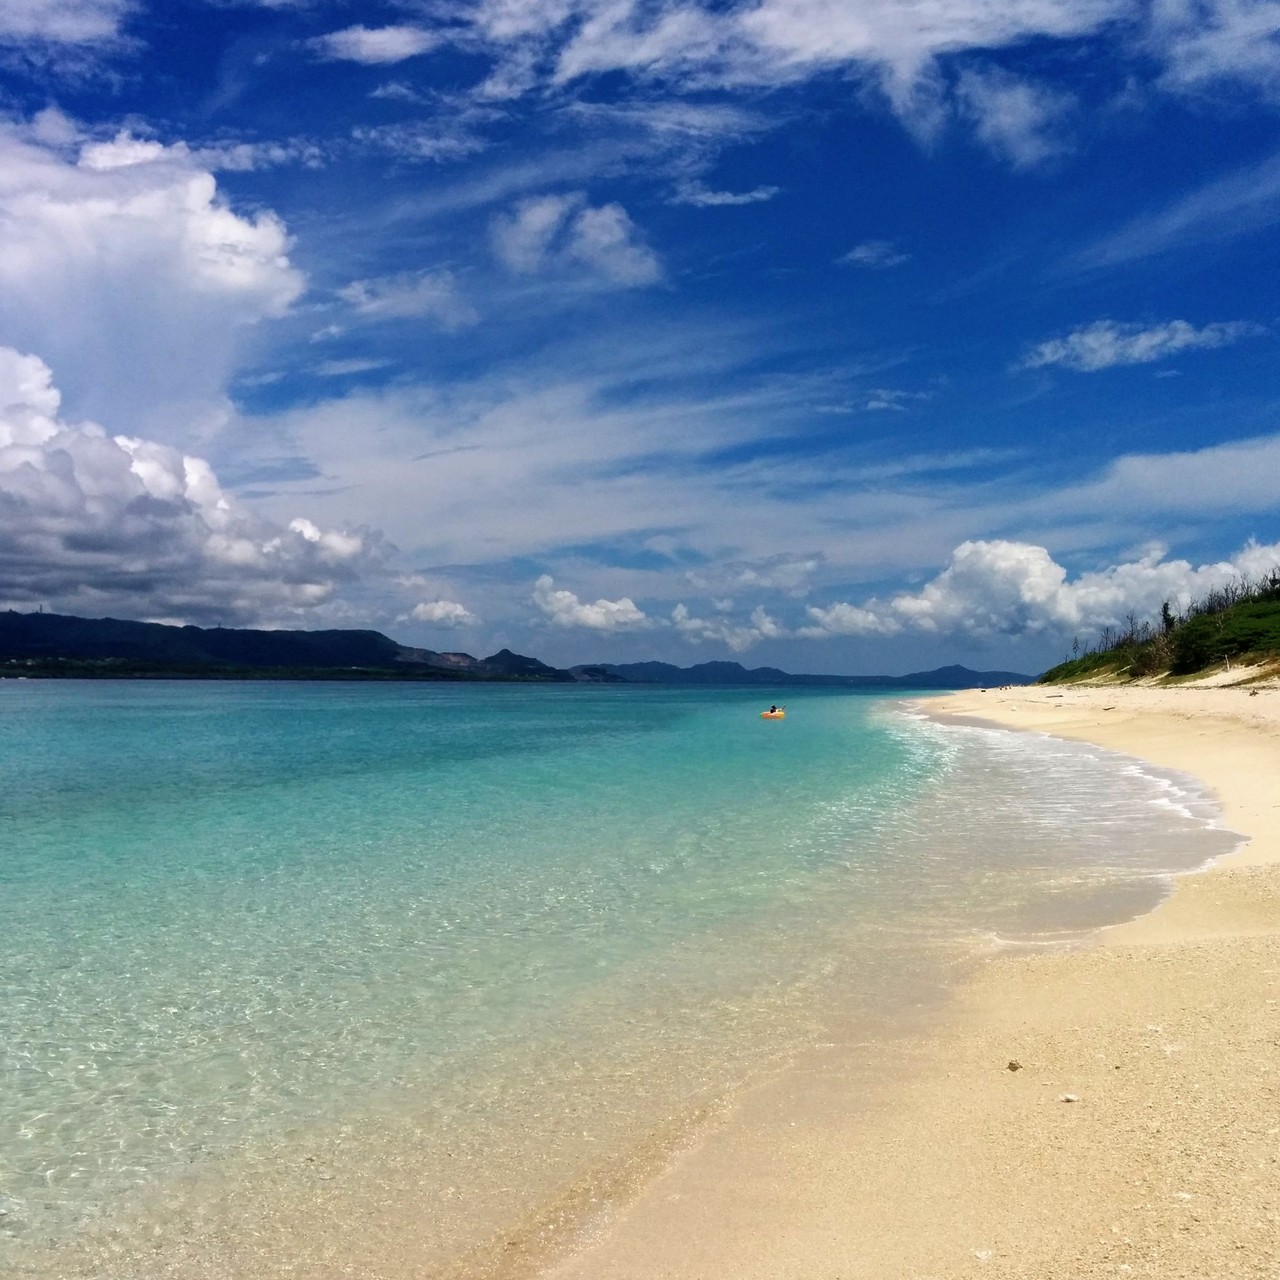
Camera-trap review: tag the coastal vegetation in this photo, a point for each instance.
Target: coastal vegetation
(1238, 623)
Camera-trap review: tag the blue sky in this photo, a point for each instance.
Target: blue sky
(842, 336)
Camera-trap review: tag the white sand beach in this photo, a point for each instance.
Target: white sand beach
(1111, 1109)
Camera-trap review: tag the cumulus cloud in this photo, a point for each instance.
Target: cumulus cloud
(606, 240)
(92, 523)
(1105, 344)
(738, 636)
(444, 613)
(123, 265)
(130, 192)
(564, 609)
(412, 295)
(1016, 588)
(844, 619)
(374, 46)
(875, 254)
(562, 231)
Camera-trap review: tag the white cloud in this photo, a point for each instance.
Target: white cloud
(248, 157)
(875, 254)
(127, 268)
(92, 523)
(606, 240)
(1215, 40)
(375, 46)
(891, 399)
(122, 152)
(1105, 344)
(422, 141)
(522, 239)
(343, 368)
(564, 609)
(809, 33)
(412, 295)
(777, 42)
(61, 21)
(1016, 588)
(908, 51)
(789, 573)
(1019, 121)
(1219, 480)
(848, 620)
(1244, 201)
(524, 463)
(557, 231)
(444, 613)
(738, 636)
(52, 127)
(702, 197)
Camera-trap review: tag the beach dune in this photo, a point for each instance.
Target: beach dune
(1112, 1109)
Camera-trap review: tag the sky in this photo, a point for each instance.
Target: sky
(851, 336)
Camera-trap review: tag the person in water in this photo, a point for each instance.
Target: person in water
(773, 710)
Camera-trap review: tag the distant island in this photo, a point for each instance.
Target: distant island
(52, 645)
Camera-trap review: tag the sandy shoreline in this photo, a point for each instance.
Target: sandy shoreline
(1140, 1134)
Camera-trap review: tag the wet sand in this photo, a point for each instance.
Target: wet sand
(1111, 1109)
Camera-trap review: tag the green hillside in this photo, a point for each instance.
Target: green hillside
(1239, 623)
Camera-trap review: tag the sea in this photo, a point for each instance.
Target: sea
(305, 978)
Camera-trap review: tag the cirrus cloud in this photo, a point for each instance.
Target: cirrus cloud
(1105, 344)
(876, 255)
(910, 52)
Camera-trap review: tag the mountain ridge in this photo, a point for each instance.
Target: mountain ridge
(953, 676)
(51, 644)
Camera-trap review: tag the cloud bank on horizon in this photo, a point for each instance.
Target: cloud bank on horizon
(852, 335)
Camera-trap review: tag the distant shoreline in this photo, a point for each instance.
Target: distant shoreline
(108, 670)
(61, 646)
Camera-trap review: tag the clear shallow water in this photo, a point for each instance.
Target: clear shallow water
(240, 924)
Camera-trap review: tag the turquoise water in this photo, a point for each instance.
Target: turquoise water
(234, 917)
